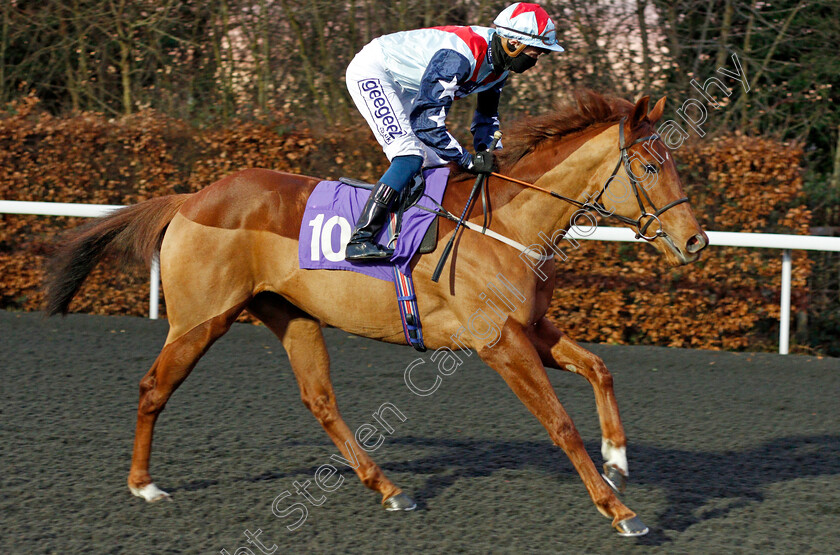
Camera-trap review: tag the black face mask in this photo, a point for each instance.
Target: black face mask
(502, 62)
(522, 63)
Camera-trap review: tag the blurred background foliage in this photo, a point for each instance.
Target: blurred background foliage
(118, 100)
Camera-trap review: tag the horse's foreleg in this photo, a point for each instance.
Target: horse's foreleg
(517, 361)
(171, 368)
(557, 350)
(304, 343)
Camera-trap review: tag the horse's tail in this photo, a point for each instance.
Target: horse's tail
(133, 234)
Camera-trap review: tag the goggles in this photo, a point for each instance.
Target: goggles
(548, 41)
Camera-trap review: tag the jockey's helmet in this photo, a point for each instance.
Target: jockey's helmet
(527, 24)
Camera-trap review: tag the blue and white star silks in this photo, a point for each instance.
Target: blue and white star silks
(440, 119)
(449, 88)
(454, 144)
(420, 73)
(448, 77)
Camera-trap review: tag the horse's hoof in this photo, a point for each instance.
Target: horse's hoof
(150, 493)
(399, 502)
(631, 527)
(614, 478)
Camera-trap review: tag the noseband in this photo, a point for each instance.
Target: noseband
(639, 224)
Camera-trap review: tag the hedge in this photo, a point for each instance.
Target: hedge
(607, 292)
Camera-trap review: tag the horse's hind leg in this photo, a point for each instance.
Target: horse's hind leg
(517, 361)
(304, 343)
(558, 351)
(170, 369)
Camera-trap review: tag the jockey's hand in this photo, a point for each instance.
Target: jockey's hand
(482, 162)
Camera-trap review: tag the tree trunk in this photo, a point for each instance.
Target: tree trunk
(776, 42)
(588, 30)
(67, 61)
(262, 54)
(402, 15)
(352, 32)
(123, 40)
(725, 30)
(125, 76)
(703, 33)
(641, 5)
(224, 64)
(674, 42)
(835, 176)
(308, 72)
(745, 62)
(4, 39)
(334, 97)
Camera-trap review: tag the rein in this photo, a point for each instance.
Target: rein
(639, 192)
(596, 205)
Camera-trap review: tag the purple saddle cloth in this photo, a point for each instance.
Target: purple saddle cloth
(331, 213)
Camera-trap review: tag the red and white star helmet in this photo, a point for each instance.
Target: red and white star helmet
(528, 24)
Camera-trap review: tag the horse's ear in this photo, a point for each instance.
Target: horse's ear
(639, 111)
(657, 111)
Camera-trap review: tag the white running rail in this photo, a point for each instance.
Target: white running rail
(786, 243)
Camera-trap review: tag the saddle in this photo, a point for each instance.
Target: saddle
(327, 224)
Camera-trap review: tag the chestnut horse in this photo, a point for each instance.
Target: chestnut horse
(233, 247)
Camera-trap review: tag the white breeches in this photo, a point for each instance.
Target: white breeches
(385, 106)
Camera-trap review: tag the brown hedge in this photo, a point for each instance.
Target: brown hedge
(606, 292)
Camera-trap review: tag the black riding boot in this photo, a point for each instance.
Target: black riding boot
(373, 216)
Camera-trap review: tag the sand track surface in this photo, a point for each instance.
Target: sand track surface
(729, 452)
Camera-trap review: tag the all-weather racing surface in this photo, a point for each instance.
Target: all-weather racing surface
(728, 452)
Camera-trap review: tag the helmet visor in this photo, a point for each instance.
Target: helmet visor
(548, 42)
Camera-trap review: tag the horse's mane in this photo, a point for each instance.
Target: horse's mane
(588, 108)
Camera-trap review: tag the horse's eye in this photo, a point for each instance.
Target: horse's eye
(650, 168)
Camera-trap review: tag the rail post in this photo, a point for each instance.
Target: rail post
(784, 312)
(154, 287)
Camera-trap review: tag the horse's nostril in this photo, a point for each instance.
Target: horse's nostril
(696, 243)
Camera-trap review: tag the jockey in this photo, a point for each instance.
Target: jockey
(405, 83)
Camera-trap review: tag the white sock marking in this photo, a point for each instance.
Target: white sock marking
(150, 493)
(614, 456)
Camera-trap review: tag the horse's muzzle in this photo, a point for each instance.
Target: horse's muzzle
(687, 253)
(697, 243)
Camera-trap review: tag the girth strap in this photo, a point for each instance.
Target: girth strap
(409, 313)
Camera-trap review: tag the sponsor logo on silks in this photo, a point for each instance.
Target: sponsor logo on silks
(380, 109)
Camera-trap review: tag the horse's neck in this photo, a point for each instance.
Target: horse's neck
(577, 176)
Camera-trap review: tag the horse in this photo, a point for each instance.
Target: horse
(233, 247)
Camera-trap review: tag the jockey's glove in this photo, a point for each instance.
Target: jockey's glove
(482, 162)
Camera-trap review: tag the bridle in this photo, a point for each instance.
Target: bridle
(639, 192)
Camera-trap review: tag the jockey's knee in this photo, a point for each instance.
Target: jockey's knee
(401, 171)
